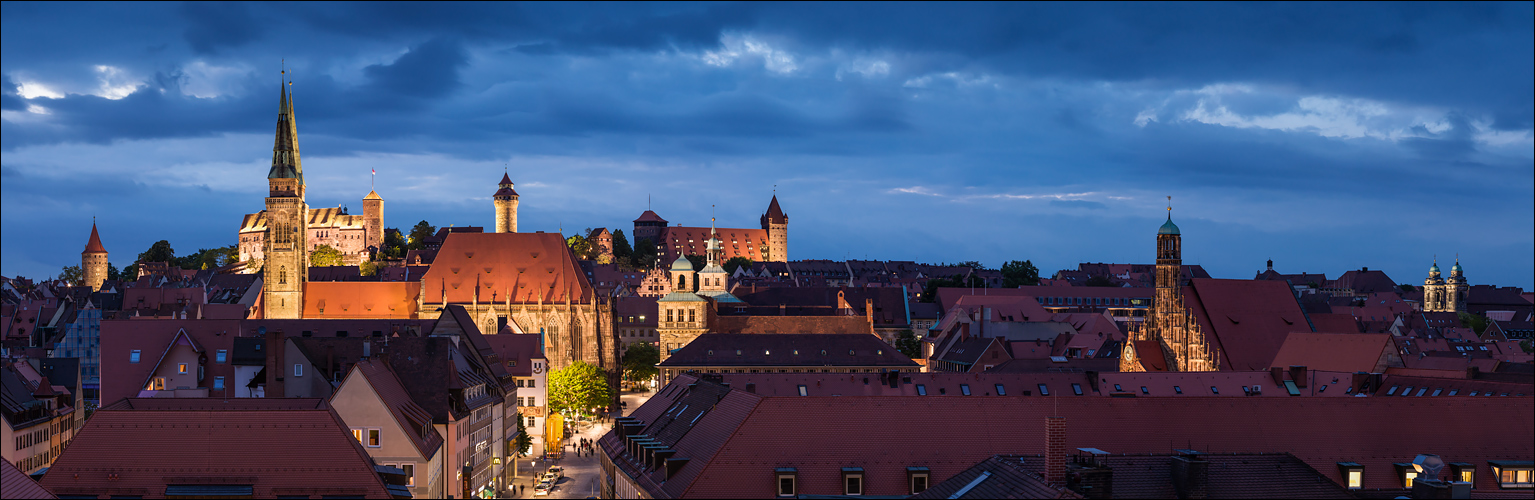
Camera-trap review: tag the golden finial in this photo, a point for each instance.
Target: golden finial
(1169, 203)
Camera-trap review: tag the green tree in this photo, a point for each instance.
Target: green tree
(1407, 288)
(523, 442)
(622, 252)
(419, 234)
(324, 255)
(580, 246)
(735, 263)
(640, 361)
(644, 254)
(578, 388)
(908, 344)
(160, 251)
(367, 268)
(976, 265)
(698, 262)
(1019, 273)
(393, 245)
(130, 273)
(113, 273)
(1476, 322)
(1099, 281)
(930, 292)
(71, 275)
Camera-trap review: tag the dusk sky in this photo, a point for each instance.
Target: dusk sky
(1326, 137)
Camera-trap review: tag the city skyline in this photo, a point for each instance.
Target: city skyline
(885, 142)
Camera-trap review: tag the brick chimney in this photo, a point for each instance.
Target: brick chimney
(274, 365)
(1191, 475)
(1055, 449)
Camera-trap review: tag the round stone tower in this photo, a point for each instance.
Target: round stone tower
(93, 261)
(506, 206)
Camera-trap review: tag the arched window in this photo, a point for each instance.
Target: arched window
(682, 282)
(282, 275)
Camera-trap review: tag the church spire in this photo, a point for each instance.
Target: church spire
(285, 156)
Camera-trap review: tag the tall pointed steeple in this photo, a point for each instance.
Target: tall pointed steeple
(285, 156)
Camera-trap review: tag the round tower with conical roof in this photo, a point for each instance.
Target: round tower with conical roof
(506, 206)
(93, 261)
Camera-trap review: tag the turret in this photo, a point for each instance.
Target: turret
(506, 206)
(93, 261)
(373, 220)
(777, 225)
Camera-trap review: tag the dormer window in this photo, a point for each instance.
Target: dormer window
(1353, 474)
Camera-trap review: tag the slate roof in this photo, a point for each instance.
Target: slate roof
(720, 349)
(146, 445)
(650, 216)
(774, 213)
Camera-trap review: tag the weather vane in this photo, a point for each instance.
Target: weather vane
(1169, 203)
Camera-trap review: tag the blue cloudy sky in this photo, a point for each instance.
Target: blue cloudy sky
(1324, 136)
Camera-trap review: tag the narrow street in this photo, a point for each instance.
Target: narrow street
(583, 474)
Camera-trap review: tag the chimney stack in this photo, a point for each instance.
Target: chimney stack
(1055, 449)
(1298, 374)
(1191, 475)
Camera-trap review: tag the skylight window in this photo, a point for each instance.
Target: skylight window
(1001, 391)
(1215, 391)
(921, 390)
(1144, 390)
(964, 389)
(803, 391)
(1044, 391)
(1178, 390)
(1075, 388)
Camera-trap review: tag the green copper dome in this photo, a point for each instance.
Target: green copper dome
(1456, 267)
(682, 264)
(1434, 269)
(1169, 227)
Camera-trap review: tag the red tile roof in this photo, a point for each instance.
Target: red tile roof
(414, 420)
(734, 242)
(774, 212)
(1361, 352)
(17, 485)
(790, 324)
(833, 432)
(532, 267)
(94, 244)
(360, 299)
(279, 446)
(649, 216)
(521, 348)
(1250, 319)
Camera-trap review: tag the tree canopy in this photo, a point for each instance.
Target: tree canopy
(71, 275)
(622, 253)
(324, 255)
(1019, 273)
(908, 344)
(736, 262)
(578, 388)
(1099, 280)
(930, 292)
(580, 246)
(523, 442)
(160, 251)
(644, 256)
(640, 361)
(393, 245)
(419, 234)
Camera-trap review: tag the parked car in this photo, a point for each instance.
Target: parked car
(557, 471)
(543, 488)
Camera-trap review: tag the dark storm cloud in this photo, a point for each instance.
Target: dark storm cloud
(955, 120)
(215, 25)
